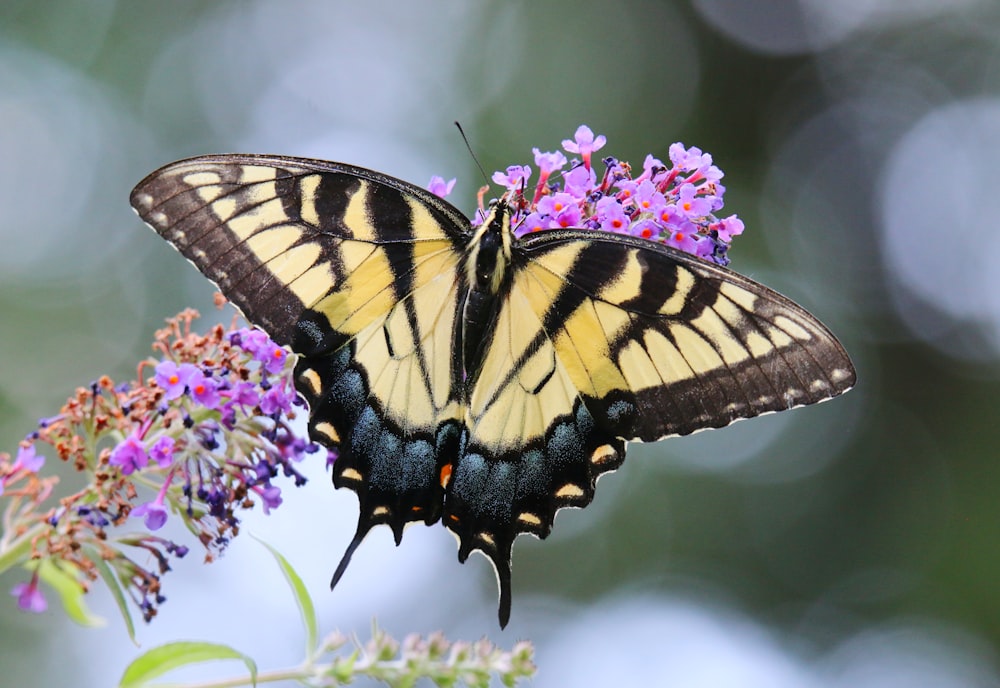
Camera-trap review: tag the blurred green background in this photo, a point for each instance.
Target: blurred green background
(855, 543)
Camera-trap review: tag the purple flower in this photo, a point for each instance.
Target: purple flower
(652, 166)
(548, 162)
(691, 205)
(612, 216)
(292, 447)
(685, 238)
(439, 187)
(129, 455)
(729, 227)
(252, 340)
(270, 497)
(580, 181)
(585, 143)
(535, 222)
(688, 159)
(671, 203)
(561, 208)
(648, 199)
(29, 597)
(668, 215)
(706, 248)
(244, 394)
(626, 189)
(274, 400)
(228, 417)
(556, 203)
(173, 378)
(28, 459)
(515, 178)
(154, 514)
(162, 452)
(272, 357)
(646, 229)
(204, 390)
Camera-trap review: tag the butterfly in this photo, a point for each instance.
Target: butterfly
(462, 374)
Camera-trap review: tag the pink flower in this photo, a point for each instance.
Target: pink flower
(204, 390)
(729, 227)
(29, 597)
(439, 187)
(515, 178)
(691, 205)
(28, 459)
(612, 216)
(173, 378)
(585, 143)
(548, 162)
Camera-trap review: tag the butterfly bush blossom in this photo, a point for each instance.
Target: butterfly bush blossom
(203, 432)
(673, 204)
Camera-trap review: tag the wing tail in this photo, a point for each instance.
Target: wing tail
(364, 526)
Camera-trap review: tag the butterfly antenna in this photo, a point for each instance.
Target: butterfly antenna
(474, 158)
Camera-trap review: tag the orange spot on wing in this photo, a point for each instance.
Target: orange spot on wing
(445, 475)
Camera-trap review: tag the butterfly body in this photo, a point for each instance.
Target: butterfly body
(463, 374)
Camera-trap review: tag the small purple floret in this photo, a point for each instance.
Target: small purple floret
(154, 514)
(29, 596)
(439, 187)
(129, 455)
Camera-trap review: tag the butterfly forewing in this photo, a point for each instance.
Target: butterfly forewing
(278, 235)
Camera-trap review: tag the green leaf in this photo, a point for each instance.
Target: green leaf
(164, 658)
(111, 580)
(302, 598)
(70, 592)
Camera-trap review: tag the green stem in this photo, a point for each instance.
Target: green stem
(296, 674)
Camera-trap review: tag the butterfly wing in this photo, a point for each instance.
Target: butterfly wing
(601, 339)
(360, 274)
(660, 343)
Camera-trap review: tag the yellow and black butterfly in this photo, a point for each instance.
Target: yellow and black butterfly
(463, 374)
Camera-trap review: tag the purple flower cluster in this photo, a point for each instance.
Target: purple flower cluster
(220, 406)
(207, 433)
(674, 205)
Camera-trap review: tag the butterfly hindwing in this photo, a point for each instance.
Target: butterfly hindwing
(602, 339)
(530, 445)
